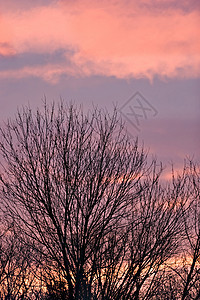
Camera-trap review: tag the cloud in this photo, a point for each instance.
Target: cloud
(21, 5)
(50, 72)
(6, 49)
(6, 38)
(121, 39)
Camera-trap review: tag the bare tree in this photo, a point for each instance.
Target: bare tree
(190, 274)
(69, 180)
(16, 265)
(93, 211)
(180, 277)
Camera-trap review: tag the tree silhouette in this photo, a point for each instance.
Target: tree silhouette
(189, 274)
(91, 208)
(17, 276)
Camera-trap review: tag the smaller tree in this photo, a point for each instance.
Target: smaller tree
(191, 268)
(181, 275)
(16, 265)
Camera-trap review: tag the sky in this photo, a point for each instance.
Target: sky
(143, 56)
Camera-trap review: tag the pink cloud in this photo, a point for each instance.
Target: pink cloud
(6, 36)
(6, 49)
(50, 72)
(111, 38)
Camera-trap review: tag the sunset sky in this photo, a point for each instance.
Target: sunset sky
(103, 52)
